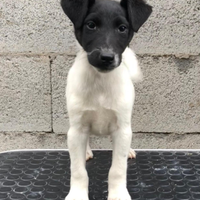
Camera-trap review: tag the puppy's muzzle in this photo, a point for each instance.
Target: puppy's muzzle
(107, 58)
(103, 61)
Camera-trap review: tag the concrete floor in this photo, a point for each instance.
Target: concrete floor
(13, 141)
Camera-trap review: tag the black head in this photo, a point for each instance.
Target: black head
(104, 28)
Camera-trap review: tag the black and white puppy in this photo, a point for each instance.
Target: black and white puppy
(100, 92)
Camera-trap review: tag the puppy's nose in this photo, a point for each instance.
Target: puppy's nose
(107, 57)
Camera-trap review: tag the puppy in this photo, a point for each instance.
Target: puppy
(100, 92)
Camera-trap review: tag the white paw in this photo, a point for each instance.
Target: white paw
(89, 154)
(121, 194)
(77, 195)
(131, 154)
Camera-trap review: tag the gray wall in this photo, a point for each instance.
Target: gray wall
(37, 47)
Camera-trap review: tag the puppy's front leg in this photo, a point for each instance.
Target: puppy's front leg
(117, 174)
(77, 142)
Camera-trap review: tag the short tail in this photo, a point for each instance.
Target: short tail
(130, 60)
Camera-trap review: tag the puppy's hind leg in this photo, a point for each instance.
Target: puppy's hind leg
(77, 142)
(131, 154)
(89, 154)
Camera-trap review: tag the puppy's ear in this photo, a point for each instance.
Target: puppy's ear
(76, 10)
(138, 12)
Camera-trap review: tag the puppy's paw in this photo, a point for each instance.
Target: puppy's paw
(131, 154)
(77, 195)
(89, 154)
(120, 194)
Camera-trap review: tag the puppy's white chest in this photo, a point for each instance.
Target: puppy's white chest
(100, 122)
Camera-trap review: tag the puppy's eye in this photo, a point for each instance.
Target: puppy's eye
(91, 25)
(122, 28)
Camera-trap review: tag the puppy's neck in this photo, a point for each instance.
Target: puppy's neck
(129, 61)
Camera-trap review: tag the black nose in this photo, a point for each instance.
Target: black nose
(107, 58)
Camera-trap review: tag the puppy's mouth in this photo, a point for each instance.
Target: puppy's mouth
(104, 71)
(104, 60)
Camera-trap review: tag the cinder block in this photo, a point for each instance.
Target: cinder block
(168, 98)
(35, 26)
(41, 26)
(60, 67)
(173, 28)
(25, 103)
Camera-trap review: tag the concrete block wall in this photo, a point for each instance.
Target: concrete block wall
(37, 48)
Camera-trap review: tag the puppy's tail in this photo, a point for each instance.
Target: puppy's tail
(131, 62)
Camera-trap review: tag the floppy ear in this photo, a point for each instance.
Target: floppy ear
(76, 10)
(138, 12)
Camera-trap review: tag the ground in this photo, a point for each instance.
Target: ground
(11, 141)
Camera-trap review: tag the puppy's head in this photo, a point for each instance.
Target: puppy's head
(104, 28)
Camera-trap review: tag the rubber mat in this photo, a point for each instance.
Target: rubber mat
(153, 175)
